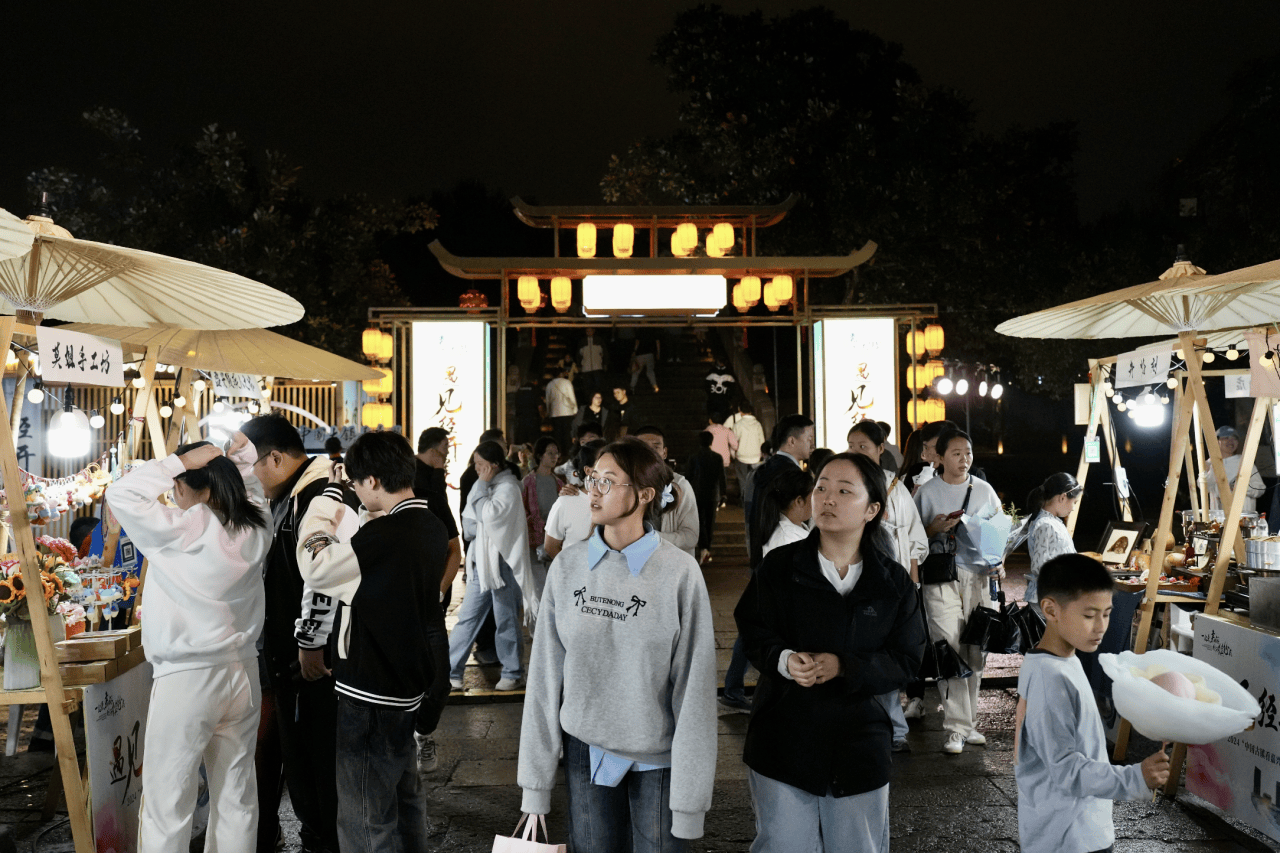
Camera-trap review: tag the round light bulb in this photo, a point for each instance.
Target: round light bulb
(218, 406)
(266, 393)
(1107, 387)
(117, 408)
(251, 407)
(1132, 413)
(945, 385)
(962, 386)
(179, 401)
(166, 411)
(997, 391)
(1208, 356)
(198, 386)
(982, 388)
(68, 435)
(1110, 392)
(1172, 382)
(96, 420)
(36, 396)
(1180, 354)
(139, 382)
(1233, 354)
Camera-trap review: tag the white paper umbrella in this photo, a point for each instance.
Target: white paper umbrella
(1183, 299)
(15, 236)
(82, 281)
(253, 351)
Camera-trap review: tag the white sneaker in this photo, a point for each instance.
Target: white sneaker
(915, 709)
(427, 761)
(954, 744)
(976, 738)
(508, 684)
(455, 684)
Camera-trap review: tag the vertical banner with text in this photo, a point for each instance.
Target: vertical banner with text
(115, 723)
(855, 376)
(451, 383)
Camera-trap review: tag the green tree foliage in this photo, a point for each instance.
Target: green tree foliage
(215, 202)
(984, 225)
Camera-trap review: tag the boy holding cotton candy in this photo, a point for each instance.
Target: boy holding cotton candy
(1065, 781)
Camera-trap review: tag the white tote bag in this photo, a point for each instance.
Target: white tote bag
(527, 842)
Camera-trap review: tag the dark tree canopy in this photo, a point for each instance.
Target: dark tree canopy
(983, 225)
(216, 202)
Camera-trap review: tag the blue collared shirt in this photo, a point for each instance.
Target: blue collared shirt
(637, 553)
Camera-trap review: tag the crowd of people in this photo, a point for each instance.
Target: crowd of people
(321, 660)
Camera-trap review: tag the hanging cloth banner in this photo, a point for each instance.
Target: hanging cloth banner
(1142, 367)
(235, 385)
(79, 359)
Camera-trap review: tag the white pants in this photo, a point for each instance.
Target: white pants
(210, 714)
(948, 606)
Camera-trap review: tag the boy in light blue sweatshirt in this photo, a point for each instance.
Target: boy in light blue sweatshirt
(1065, 781)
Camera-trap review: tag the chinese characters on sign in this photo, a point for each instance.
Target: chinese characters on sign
(235, 385)
(855, 376)
(115, 716)
(79, 359)
(451, 387)
(1142, 367)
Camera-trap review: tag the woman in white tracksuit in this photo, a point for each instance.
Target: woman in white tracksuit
(910, 544)
(204, 611)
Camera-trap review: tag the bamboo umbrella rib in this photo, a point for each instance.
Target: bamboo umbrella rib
(15, 237)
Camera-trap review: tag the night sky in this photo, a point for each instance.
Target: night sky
(401, 98)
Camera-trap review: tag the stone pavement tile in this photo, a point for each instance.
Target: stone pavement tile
(927, 759)
(1130, 846)
(730, 824)
(951, 793)
(485, 772)
(952, 824)
(474, 749)
(1163, 821)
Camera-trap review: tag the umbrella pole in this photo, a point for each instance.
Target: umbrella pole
(51, 690)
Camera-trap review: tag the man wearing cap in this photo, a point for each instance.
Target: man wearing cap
(1229, 443)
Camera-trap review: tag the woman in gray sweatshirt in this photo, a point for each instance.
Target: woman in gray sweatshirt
(623, 664)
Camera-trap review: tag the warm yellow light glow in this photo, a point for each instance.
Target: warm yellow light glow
(684, 240)
(784, 288)
(528, 292)
(386, 347)
(624, 239)
(936, 370)
(380, 387)
(653, 294)
(934, 339)
(1064, 444)
(751, 289)
(740, 301)
(1000, 447)
(374, 415)
(561, 293)
(586, 240)
(771, 300)
(370, 341)
(915, 344)
(918, 376)
(916, 412)
(723, 234)
(935, 410)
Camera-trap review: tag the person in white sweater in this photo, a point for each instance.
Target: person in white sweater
(1047, 537)
(679, 525)
(205, 610)
(623, 672)
(951, 505)
(910, 544)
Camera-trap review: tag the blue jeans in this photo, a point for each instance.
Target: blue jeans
(737, 671)
(893, 707)
(789, 820)
(635, 816)
(476, 604)
(381, 805)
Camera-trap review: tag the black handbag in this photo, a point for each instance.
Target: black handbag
(1030, 626)
(940, 566)
(940, 660)
(993, 630)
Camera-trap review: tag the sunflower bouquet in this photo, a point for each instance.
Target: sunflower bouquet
(58, 580)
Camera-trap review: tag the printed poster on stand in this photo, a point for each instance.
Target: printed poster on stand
(115, 722)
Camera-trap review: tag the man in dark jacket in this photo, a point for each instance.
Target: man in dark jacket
(297, 673)
(706, 474)
(792, 442)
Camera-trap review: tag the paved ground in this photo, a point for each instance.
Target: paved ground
(937, 802)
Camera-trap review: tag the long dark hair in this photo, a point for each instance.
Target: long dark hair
(874, 535)
(491, 452)
(1060, 483)
(586, 457)
(227, 495)
(646, 470)
(783, 489)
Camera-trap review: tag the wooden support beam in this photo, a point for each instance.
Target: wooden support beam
(1097, 403)
(50, 678)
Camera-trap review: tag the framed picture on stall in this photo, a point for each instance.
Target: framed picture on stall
(1118, 542)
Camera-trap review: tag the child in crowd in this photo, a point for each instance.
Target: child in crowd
(205, 608)
(387, 582)
(1065, 781)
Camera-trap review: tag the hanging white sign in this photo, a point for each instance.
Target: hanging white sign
(235, 385)
(1238, 385)
(1142, 367)
(855, 377)
(78, 359)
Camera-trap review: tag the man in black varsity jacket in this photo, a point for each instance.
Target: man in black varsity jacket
(387, 581)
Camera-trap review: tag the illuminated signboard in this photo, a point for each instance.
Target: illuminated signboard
(855, 377)
(451, 379)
